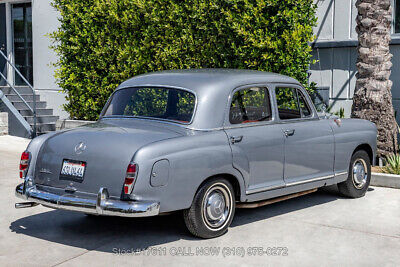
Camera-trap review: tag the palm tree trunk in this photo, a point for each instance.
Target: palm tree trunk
(372, 99)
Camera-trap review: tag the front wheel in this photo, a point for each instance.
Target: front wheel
(359, 176)
(212, 209)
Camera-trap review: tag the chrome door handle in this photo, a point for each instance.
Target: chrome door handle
(288, 132)
(236, 139)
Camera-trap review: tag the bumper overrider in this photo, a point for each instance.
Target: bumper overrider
(100, 205)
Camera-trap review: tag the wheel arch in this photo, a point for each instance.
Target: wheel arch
(232, 179)
(367, 148)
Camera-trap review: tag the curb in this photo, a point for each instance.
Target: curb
(385, 180)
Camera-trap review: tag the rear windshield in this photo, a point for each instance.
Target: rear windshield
(152, 102)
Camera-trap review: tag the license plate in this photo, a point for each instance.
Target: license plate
(72, 170)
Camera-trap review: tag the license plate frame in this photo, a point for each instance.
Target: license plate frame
(70, 177)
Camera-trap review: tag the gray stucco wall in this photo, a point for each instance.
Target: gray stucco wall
(44, 21)
(336, 69)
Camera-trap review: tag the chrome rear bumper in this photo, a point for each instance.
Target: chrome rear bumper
(101, 205)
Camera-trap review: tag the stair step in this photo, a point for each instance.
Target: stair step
(42, 119)
(39, 112)
(21, 89)
(44, 127)
(21, 105)
(26, 97)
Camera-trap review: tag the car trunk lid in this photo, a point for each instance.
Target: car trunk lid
(106, 148)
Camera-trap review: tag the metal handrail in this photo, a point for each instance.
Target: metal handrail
(18, 94)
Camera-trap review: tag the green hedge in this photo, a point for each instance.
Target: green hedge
(101, 43)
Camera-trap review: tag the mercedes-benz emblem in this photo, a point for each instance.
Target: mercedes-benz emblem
(79, 148)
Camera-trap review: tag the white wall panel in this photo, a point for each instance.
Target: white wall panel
(324, 29)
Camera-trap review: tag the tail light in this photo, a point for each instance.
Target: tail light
(23, 164)
(130, 177)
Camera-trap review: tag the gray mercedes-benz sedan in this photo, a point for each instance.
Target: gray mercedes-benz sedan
(202, 141)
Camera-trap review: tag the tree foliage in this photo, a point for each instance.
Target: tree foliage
(101, 43)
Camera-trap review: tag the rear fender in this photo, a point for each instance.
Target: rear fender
(192, 159)
(349, 134)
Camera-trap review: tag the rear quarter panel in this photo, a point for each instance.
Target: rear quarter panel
(34, 148)
(348, 136)
(192, 159)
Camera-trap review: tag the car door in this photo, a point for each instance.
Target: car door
(257, 143)
(309, 141)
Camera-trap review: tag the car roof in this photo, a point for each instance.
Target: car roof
(212, 88)
(199, 80)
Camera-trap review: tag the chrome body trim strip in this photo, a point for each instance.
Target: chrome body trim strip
(340, 173)
(262, 189)
(310, 180)
(101, 205)
(268, 188)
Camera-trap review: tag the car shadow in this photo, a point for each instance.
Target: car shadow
(322, 196)
(108, 233)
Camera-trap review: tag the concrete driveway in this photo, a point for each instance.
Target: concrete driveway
(319, 229)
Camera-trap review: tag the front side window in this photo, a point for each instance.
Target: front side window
(291, 103)
(250, 105)
(305, 110)
(152, 102)
(288, 106)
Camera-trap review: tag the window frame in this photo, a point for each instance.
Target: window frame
(313, 113)
(228, 124)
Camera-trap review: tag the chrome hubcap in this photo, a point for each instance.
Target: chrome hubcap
(360, 173)
(217, 206)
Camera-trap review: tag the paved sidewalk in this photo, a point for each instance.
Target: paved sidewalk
(320, 229)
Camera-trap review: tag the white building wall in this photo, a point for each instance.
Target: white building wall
(324, 29)
(44, 21)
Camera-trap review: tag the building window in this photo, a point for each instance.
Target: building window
(396, 16)
(22, 35)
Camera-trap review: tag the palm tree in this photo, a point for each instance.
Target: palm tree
(373, 98)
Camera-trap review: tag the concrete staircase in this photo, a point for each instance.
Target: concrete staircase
(46, 121)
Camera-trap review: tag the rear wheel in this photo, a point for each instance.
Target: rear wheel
(212, 209)
(359, 176)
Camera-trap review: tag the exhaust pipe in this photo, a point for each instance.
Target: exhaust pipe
(25, 205)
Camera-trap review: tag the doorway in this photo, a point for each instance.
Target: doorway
(21, 16)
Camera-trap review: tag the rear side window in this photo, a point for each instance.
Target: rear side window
(291, 103)
(250, 105)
